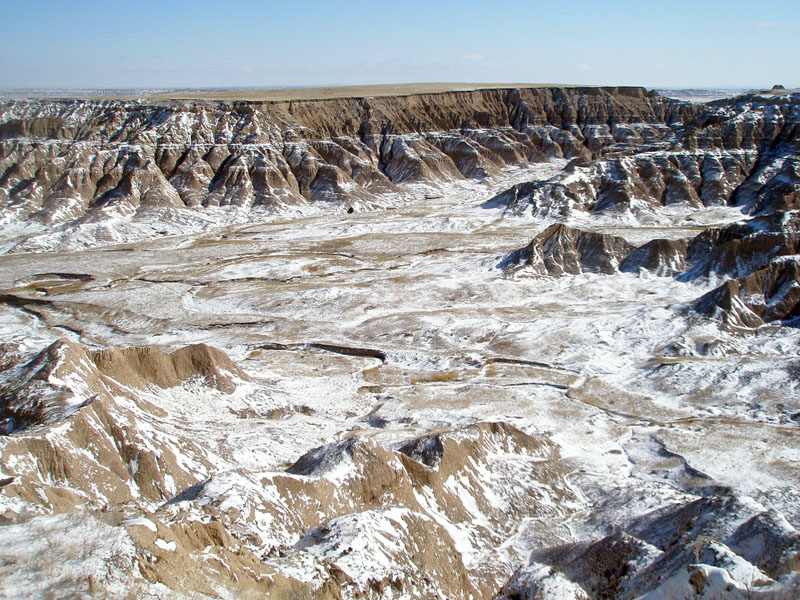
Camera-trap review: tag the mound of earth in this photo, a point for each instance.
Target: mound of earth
(428, 518)
(138, 367)
(561, 250)
(766, 295)
(715, 547)
(64, 377)
(741, 248)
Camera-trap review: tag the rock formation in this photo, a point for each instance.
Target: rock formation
(713, 157)
(561, 250)
(400, 410)
(768, 294)
(73, 160)
(64, 377)
(725, 556)
(741, 248)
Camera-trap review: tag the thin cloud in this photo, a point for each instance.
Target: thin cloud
(767, 24)
(583, 67)
(472, 57)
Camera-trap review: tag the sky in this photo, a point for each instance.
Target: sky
(245, 43)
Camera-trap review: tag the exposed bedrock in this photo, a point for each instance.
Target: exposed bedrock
(715, 547)
(634, 185)
(640, 186)
(62, 160)
(66, 160)
(65, 398)
(428, 518)
(738, 249)
(742, 152)
(735, 250)
(563, 250)
(759, 256)
(659, 256)
(65, 377)
(768, 294)
(434, 511)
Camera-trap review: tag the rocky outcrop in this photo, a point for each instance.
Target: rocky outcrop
(774, 187)
(660, 257)
(65, 399)
(561, 250)
(77, 163)
(139, 367)
(377, 464)
(65, 377)
(636, 186)
(49, 387)
(713, 547)
(742, 152)
(67, 160)
(737, 250)
(355, 502)
(766, 295)
(405, 513)
(741, 248)
(203, 558)
(759, 255)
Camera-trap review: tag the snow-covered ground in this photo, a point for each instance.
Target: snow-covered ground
(610, 369)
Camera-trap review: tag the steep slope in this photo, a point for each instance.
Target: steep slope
(768, 294)
(226, 384)
(741, 248)
(63, 378)
(716, 547)
(741, 152)
(561, 250)
(79, 161)
(66, 398)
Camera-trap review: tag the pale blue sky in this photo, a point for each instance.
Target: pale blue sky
(82, 43)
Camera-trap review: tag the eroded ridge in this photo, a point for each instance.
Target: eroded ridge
(552, 351)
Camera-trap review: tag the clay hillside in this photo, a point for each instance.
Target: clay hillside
(397, 342)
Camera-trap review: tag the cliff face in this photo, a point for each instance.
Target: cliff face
(62, 161)
(771, 293)
(741, 151)
(67, 160)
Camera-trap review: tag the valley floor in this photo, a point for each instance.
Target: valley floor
(386, 327)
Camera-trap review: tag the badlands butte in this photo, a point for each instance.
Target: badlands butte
(514, 342)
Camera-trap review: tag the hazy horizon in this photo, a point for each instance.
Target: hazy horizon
(316, 85)
(248, 44)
